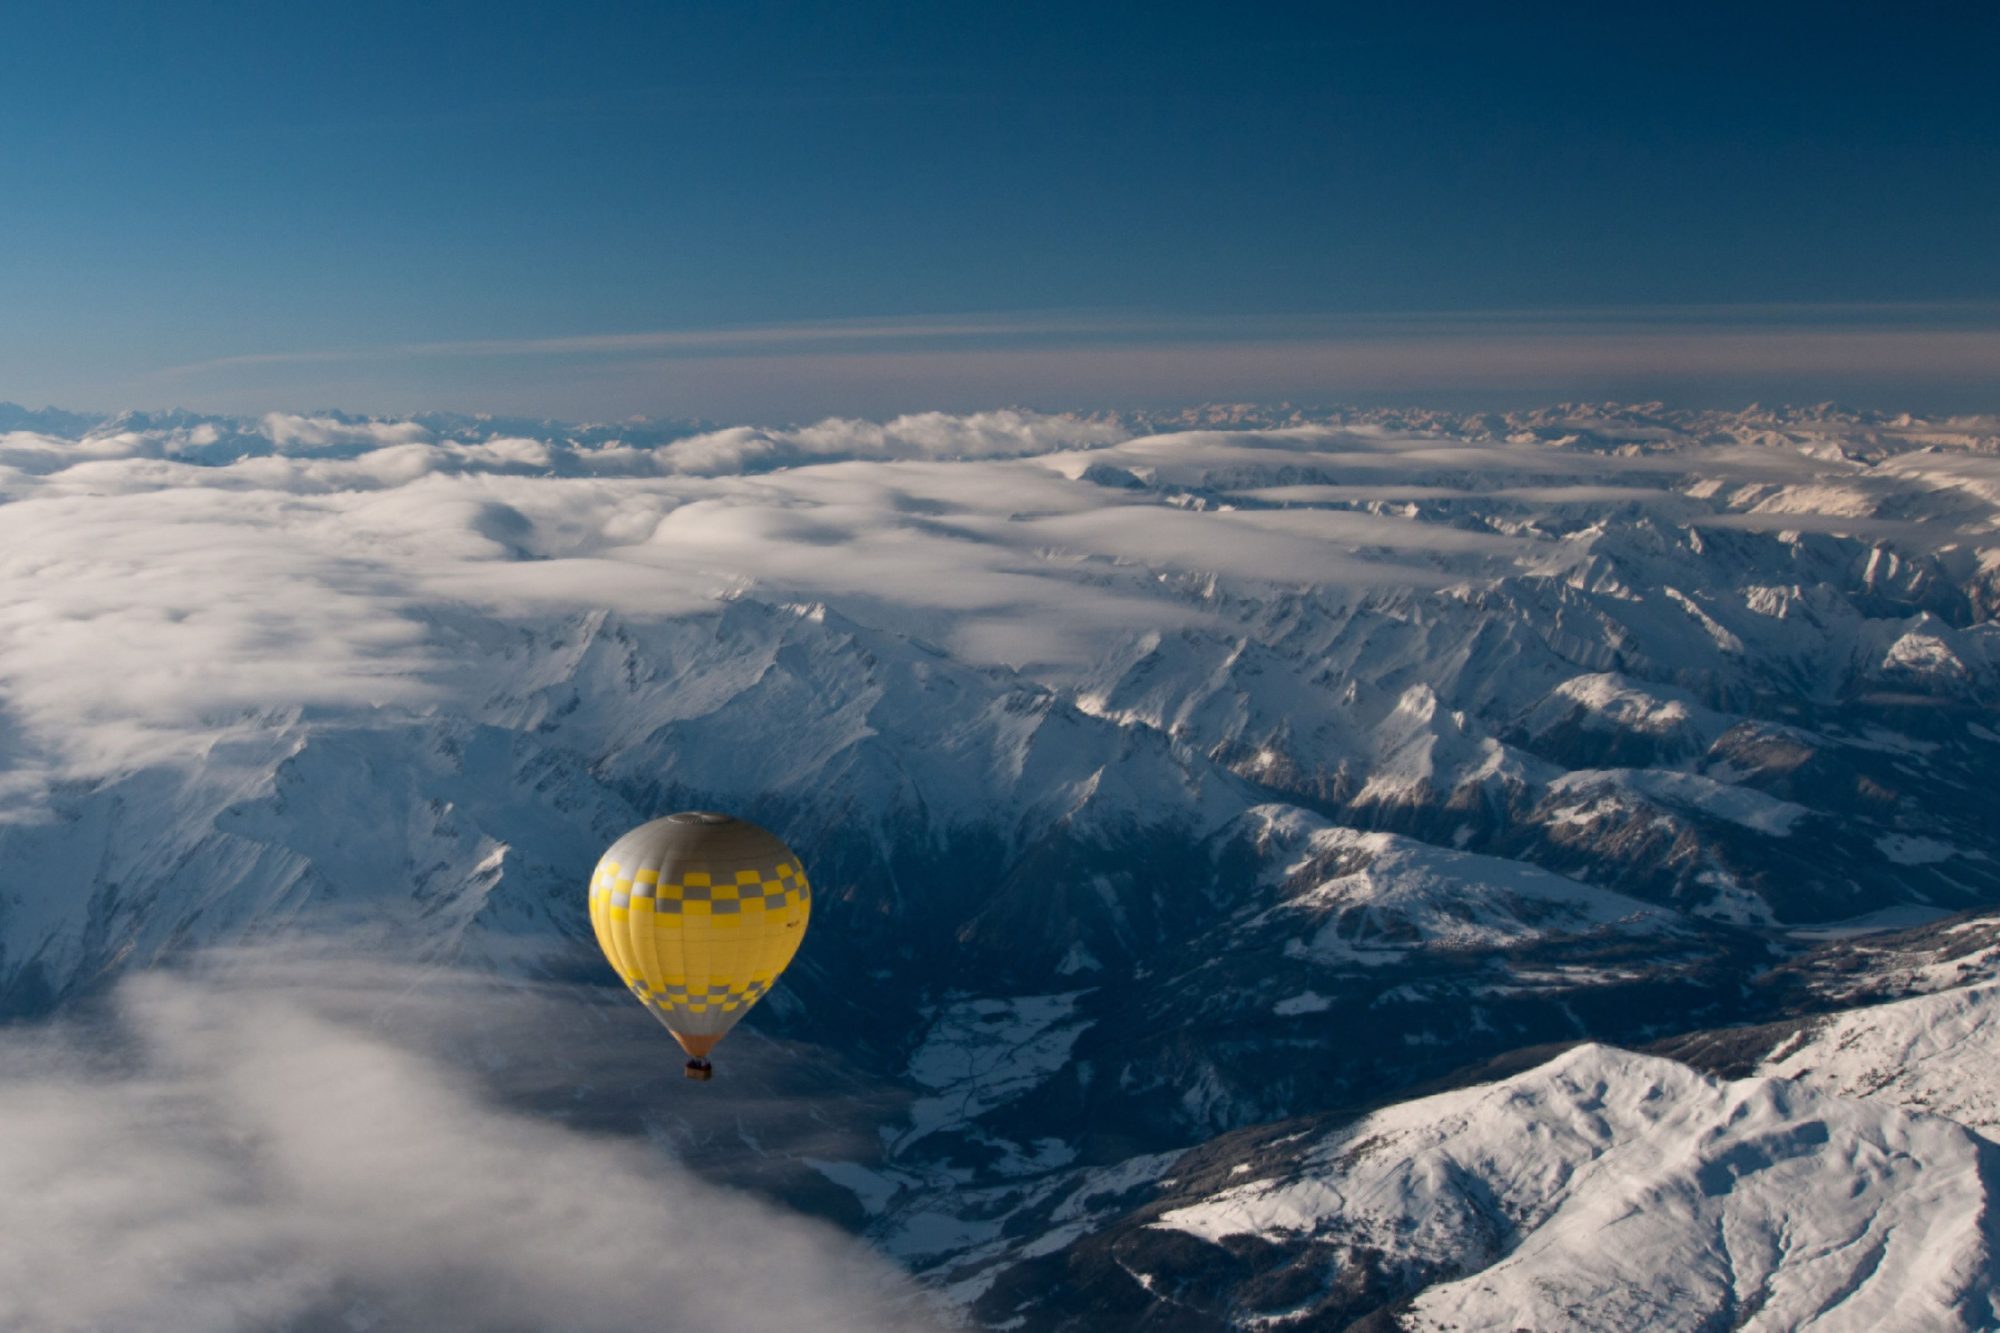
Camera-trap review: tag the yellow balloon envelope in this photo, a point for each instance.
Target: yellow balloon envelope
(699, 913)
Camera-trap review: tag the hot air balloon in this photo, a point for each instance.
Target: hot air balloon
(699, 913)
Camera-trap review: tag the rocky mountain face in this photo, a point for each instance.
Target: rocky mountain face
(1196, 816)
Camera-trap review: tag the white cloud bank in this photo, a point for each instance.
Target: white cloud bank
(240, 1156)
(163, 581)
(924, 435)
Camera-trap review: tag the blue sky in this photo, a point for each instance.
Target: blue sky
(766, 210)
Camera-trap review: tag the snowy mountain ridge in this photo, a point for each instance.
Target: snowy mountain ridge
(1607, 1189)
(1845, 1186)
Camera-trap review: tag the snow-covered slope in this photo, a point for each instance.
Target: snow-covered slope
(1938, 1053)
(1601, 1190)
(1370, 897)
(1639, 1195)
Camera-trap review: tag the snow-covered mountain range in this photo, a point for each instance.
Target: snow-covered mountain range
(1184, 796)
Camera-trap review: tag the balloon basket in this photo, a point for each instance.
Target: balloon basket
(699, 1070)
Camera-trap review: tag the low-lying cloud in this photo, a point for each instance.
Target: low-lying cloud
(213, 1155)
(925, 435)
(163, 581)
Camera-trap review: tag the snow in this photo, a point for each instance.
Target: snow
(1724, 640)
(1871, 923)
(917, 1236)
(1628, 706)
(1924, 654)
(1078, 959)
(1908, 850)
(872, 1188)
(1608, 1189)
(983, 1053)
(1730, 901)
(1936, 1053)
(1305, 1002)
(1390, 894)
(1742, 806)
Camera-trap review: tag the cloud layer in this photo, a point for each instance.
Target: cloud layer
(164, 580)
(240, 1154)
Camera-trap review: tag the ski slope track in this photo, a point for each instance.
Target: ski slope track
(1182, 793)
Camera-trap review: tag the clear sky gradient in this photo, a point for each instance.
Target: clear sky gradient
(765, 211)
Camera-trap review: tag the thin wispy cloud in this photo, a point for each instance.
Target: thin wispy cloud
(697, 341)
(1097, 359)
(1061, 325)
